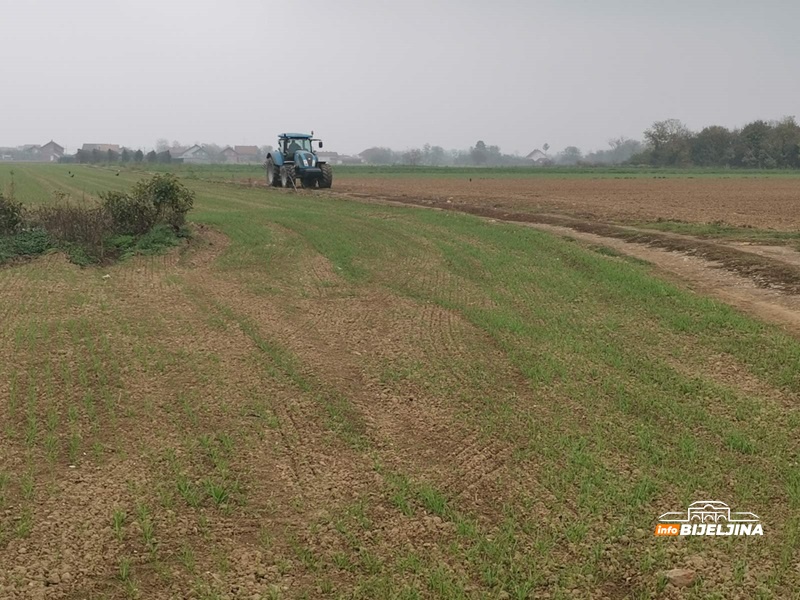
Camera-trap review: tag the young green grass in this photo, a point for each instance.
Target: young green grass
(719, 230)
(118, 519)
(189, 491)
(187, 557)
(147, 527)
(5, 480)
(218, 491)
(613, 395)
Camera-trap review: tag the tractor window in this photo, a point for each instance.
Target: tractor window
(294, 145)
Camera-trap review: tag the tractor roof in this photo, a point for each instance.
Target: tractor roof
(289, 136)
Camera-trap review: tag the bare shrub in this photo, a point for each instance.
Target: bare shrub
(76, 226)
(150, 218)
(10, 216)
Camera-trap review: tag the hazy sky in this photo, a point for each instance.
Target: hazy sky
(398, 73)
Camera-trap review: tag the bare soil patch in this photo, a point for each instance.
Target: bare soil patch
(768, 203)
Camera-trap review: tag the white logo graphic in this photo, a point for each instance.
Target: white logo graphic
(709, 517)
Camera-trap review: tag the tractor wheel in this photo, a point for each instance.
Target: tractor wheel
(327, 176)
(272, 173)
(287, 176)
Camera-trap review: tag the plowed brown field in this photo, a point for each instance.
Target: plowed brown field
(761, 203)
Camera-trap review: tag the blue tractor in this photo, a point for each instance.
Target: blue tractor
(294, 159)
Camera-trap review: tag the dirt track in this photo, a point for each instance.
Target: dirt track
(762, 280)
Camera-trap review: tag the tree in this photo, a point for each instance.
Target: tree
(669, 142)
(378, 156)
(152, 156)
(570, 155)
(783, 142)
(621, 150)
(125, 157)
(478, 153)
(437, 156)
(214, 152)
(412, 157)
(138, 156)
(712, 147)
(752, 148)
(162, 144)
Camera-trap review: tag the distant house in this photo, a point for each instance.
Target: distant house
(176, 152)
(229, 155)
(538, 157)
(51, 152)
(335, 158)
(247, 154)
(195, 155)
(330, 157)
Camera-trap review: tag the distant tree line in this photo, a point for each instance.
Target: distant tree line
(96, 156)
(619, 152)
(757, 145)
(162, 154)
(435, 156)
(483, 155)
(669, 143)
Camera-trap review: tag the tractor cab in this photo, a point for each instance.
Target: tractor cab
(291, 145)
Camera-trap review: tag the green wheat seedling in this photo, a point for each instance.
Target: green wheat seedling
(124, 571)
(27, 486)
(188, 409)
(125, 575)
(52, 419)
(73, 447)
(98, 450)
(83, 376)
(433, 500)
(187, 557)
(5, 479)
(25, 524)
(166, 496)
(117, 521)
(189, 491)
(31, 430)
(51, 446)
(218, 492)
(90, 408)
(13, 394)
(147, 527)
